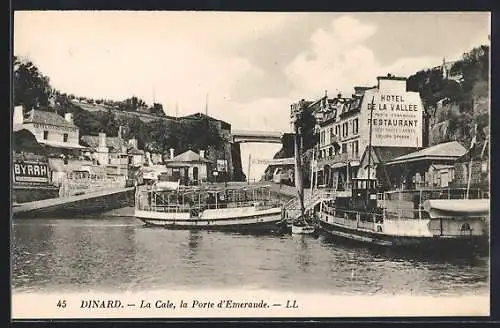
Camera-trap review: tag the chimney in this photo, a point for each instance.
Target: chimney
(18, 117)
(133, 143)
(202, 153)
(102, 139)
(69, 117)
(171, 153)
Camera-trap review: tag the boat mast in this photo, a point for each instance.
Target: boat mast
(370, 145)
(298, 166)
(368, 187)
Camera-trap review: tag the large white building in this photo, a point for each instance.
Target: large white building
(53, 130)
(387, 114)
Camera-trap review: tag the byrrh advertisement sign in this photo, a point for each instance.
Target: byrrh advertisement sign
(397, 119)
(31, 172)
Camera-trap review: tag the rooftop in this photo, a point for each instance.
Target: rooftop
(385, 153)
(114, 143)
(50, 118)
(188, 157)
(444, 151)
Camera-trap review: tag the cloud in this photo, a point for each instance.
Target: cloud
(339, 60)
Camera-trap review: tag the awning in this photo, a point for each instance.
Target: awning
(181, 164)
(65, 145)
(445, 151)
(354, 163)
(338, 165)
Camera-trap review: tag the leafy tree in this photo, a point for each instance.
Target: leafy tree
(31, 88)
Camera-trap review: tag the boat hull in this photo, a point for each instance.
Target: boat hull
(435, 243)
(306, 230)
(265, 220)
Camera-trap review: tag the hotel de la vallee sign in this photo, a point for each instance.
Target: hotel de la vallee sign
(397, 115)
(393, 114)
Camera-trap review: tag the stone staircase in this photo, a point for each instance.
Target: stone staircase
(292, 207)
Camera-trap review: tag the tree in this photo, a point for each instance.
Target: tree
(31, 88)
(157, 109)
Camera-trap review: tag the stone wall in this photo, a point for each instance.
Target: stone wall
(238, 174)
(84, 207)
(25, 194)
(479, 177)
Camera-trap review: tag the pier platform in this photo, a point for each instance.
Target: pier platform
(80, 205)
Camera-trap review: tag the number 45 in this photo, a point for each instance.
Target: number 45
(61, 303)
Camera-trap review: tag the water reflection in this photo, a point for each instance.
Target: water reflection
(120, 254)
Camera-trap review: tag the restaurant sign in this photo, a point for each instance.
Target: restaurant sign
(397, 119)
(31, 172)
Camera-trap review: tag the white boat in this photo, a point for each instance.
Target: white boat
(302, 228)
(408, 218)
(177, 207)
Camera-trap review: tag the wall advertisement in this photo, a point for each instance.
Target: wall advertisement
(397, 119)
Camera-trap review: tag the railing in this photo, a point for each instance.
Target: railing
(151, 201)
(436, 193)
(77, 186)
(366, 220)
(338, 158)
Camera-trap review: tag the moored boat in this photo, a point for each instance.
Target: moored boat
(178, 207)
(302, 227)
(407, 218)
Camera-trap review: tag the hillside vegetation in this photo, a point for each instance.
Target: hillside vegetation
(33, 90)
(458, 100)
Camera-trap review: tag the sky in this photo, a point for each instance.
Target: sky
(249, 66)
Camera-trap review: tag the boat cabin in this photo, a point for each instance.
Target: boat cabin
(169, 196)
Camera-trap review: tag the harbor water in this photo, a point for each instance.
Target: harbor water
(120, 254)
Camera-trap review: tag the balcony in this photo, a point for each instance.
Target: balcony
(339, 158)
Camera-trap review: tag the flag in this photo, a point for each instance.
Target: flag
(473, 141)
(484, 146)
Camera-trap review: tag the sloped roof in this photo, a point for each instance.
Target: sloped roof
(135, 151)
(114, 143)
(385, 153)
(188, 157)
(24, 140)
(50, 118)
(444, 151)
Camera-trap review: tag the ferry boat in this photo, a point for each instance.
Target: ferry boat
(424, 217)
(172, 206)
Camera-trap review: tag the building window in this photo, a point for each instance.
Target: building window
(331, 134)
(45, 135)
(65, 137)
(355, 126)
(344, 148)
(337, 128)
(345, 130)
(355, 148)
(330, 152)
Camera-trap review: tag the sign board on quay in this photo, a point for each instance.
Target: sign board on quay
(33, 172)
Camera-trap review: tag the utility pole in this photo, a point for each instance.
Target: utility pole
(249, 166)
(206, 105)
